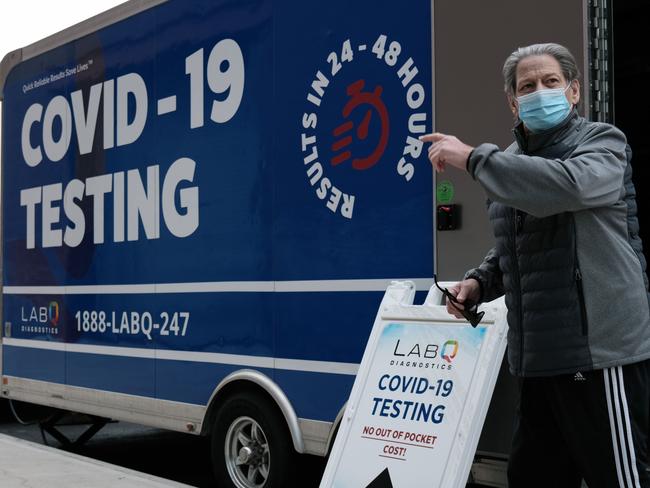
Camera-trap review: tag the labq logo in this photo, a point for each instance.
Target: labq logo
(424, 354)
(53, 313)
(42, 315)
(449, 350)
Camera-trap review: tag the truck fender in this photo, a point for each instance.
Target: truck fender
(272, 389)
(335, 428)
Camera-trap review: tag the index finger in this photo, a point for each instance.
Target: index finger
(433, 137)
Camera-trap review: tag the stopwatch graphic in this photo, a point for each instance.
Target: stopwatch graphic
(365, 110)
(345, 133)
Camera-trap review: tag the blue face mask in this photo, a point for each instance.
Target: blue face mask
(544, 109)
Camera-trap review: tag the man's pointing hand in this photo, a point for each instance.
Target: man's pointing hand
(447, 150)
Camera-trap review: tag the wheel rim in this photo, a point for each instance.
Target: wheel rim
(247, 453)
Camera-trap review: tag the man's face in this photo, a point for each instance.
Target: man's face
(541, 73)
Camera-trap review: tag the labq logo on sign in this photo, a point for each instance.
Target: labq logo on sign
(449, 350)
(424, 355)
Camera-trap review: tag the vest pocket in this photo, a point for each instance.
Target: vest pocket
(581, 299)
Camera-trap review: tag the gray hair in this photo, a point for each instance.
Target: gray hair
(560, 53)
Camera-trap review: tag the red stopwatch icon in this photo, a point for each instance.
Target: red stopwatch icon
(345, 133)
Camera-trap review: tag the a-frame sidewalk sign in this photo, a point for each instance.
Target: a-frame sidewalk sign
(420, 397)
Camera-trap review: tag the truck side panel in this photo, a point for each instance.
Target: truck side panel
(176, 240)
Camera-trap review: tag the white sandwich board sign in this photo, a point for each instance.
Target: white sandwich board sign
(419, 400)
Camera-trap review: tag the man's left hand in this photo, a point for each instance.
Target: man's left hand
(447, 150)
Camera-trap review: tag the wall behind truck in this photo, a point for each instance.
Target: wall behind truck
(471, 41)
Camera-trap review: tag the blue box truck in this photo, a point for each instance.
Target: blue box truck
(203, 202)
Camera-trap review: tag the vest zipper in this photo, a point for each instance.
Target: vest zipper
(519, 222)
(581, 299)
(517, 225)
(579, 285)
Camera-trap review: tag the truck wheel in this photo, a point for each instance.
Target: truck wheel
(251, 445)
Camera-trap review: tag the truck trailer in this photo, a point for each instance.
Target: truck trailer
(203, 202)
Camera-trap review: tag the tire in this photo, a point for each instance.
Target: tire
(251, 446)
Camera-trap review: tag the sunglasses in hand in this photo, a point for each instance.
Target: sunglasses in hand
(469, 310)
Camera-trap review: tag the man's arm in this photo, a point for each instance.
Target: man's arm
(489, 277)
(481, 284)
(632, 219)
(591, 177)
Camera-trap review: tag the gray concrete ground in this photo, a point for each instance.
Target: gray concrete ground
(59, 469)
(179, 457)
(171, 455)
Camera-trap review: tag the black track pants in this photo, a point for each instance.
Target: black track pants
(592, 425)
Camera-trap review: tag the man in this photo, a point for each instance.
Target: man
(579, 325)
